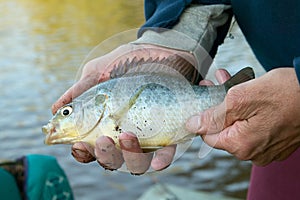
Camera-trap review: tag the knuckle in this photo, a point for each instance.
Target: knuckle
(260, 163)
(89, 65)
(235, 98)
(237, 144)
(211, 121)
(242, 155)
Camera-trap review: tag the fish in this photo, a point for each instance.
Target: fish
(154, 102)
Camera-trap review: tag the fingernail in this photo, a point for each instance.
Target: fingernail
(104, 139)
(106, 166)
(136, 174)
(127, 135)
(193, 124)
(127, 144)
(79, 153)
(222, 76)
(82, 156)
(127, 140)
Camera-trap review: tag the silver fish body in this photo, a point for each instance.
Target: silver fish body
(153, 106)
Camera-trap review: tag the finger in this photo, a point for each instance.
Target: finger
(235, 107)
(223, 140)
(136, 161)
(210, 121)
(237, 139)
(163, 157)
(81, 153)
(108, 156)
(222, 75)
(73, 92)
(284, 153)
(206, 82)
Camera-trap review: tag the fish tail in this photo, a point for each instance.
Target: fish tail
(243, 75)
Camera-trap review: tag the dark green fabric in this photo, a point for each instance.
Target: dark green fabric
(8, 186)
(45, 179)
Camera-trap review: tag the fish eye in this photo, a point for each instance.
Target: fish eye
(66, 111)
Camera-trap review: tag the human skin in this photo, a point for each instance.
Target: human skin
(257, 121)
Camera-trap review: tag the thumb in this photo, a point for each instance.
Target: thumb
(235, 107)
(74, 91)
(210, 121)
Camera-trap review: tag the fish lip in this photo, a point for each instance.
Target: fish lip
(48, 129)
(51, 134)
(50, 140)
(54, 137)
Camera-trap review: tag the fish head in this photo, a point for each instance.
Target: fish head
(74, 121)
(62, 126)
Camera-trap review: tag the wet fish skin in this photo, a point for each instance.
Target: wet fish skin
(153, 106)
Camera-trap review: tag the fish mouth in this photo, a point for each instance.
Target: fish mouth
(56, 137)
(48, 129)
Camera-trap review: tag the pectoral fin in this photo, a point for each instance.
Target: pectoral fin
(123, 110)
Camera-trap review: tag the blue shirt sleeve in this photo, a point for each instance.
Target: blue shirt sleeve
(162, 13)
(296, 63)
(166, 13)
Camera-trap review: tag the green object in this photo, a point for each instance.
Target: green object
(8, 186)
(45, 179)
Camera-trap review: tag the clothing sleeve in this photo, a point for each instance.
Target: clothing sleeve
(296, 63)
(201, 28)
(162, 13)
(166, 13)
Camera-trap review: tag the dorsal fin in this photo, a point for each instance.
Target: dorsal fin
(135, 66)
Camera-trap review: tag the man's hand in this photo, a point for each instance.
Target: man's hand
(258, 120)
(105, 152)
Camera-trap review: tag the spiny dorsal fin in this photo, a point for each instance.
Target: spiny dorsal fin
(245, 74)
(133, 67)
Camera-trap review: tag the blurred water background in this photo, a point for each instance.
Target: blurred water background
(42, 45)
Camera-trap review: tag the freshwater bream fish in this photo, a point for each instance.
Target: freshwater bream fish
(154, 105)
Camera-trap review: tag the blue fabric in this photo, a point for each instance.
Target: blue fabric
(162, 13)
(271, 27)
(209, 2)
(166, 13)
(296, 64)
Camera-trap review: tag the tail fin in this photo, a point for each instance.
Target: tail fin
(243, 75)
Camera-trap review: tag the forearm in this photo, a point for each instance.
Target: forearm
(196, 32)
